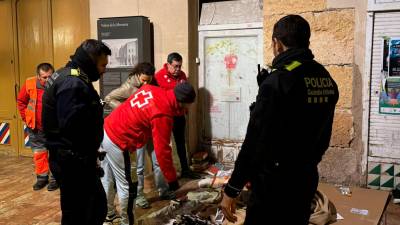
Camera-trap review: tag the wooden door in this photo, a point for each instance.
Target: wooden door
(8, 113)
(48, 31)
(34, 47)
(71, 26)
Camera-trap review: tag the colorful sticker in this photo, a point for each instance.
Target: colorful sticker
(5, 133)
(26, 137)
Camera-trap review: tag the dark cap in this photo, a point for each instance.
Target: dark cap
(184, 92)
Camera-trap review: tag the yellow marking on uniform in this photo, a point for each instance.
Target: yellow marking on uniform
(74, 72)
(318, 82)
(321, 99)
(315, 99)
(326, 99)
(309, 100)
(293, 65)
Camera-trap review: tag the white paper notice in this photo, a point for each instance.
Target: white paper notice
(230, 94)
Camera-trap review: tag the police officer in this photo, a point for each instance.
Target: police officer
(288, 132)
(73, 125)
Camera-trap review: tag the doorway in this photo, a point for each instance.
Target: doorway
(36, 31)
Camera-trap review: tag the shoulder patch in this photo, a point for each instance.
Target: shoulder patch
(74, 72)
(293, 65)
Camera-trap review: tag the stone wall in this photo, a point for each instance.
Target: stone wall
(333, 44)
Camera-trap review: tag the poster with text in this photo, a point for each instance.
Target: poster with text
(385, 57)
(389, 99)
(394, 57)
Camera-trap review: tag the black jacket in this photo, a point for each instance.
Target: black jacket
(291, 123)
(72, 111)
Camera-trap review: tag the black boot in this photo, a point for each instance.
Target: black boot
(41, 182)
(53, 185)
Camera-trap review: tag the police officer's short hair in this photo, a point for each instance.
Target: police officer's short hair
(174, 57)
(44, 67)
(293, 31)
(95, 48)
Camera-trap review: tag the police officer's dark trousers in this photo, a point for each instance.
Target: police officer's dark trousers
(281, 197)
(82, 196)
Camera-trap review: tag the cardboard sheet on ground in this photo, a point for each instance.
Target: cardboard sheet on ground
(363, 207)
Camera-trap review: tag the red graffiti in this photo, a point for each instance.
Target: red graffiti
(230, 61)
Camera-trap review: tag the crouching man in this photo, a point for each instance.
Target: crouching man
(147, 113)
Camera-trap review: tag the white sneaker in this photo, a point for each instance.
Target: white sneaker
(110, 220)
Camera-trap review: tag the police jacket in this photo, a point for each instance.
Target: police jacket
(291, 123)
(72, 112)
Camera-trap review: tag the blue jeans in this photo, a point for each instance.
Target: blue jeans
(117, 174)
(161, 185)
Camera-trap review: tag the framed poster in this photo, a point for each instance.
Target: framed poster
(394, 57)
(389, 99)
(125, 52)
(129, 39)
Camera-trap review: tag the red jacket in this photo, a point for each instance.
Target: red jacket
(24, 96)
(167, 80)
(147, 113)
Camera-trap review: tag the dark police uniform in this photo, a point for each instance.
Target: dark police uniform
(73, 125)
(288, 133)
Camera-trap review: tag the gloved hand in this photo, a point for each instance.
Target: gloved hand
(168, 195)
(261, 75)
(174, 185)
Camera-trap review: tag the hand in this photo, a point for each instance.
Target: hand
(174, 185)
(228, 207)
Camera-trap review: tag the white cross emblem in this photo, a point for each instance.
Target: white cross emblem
(141, 99)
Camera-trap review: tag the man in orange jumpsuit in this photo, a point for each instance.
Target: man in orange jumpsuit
(30, 107)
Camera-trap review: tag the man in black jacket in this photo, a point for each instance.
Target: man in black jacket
(288, 132)
(73, 125)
